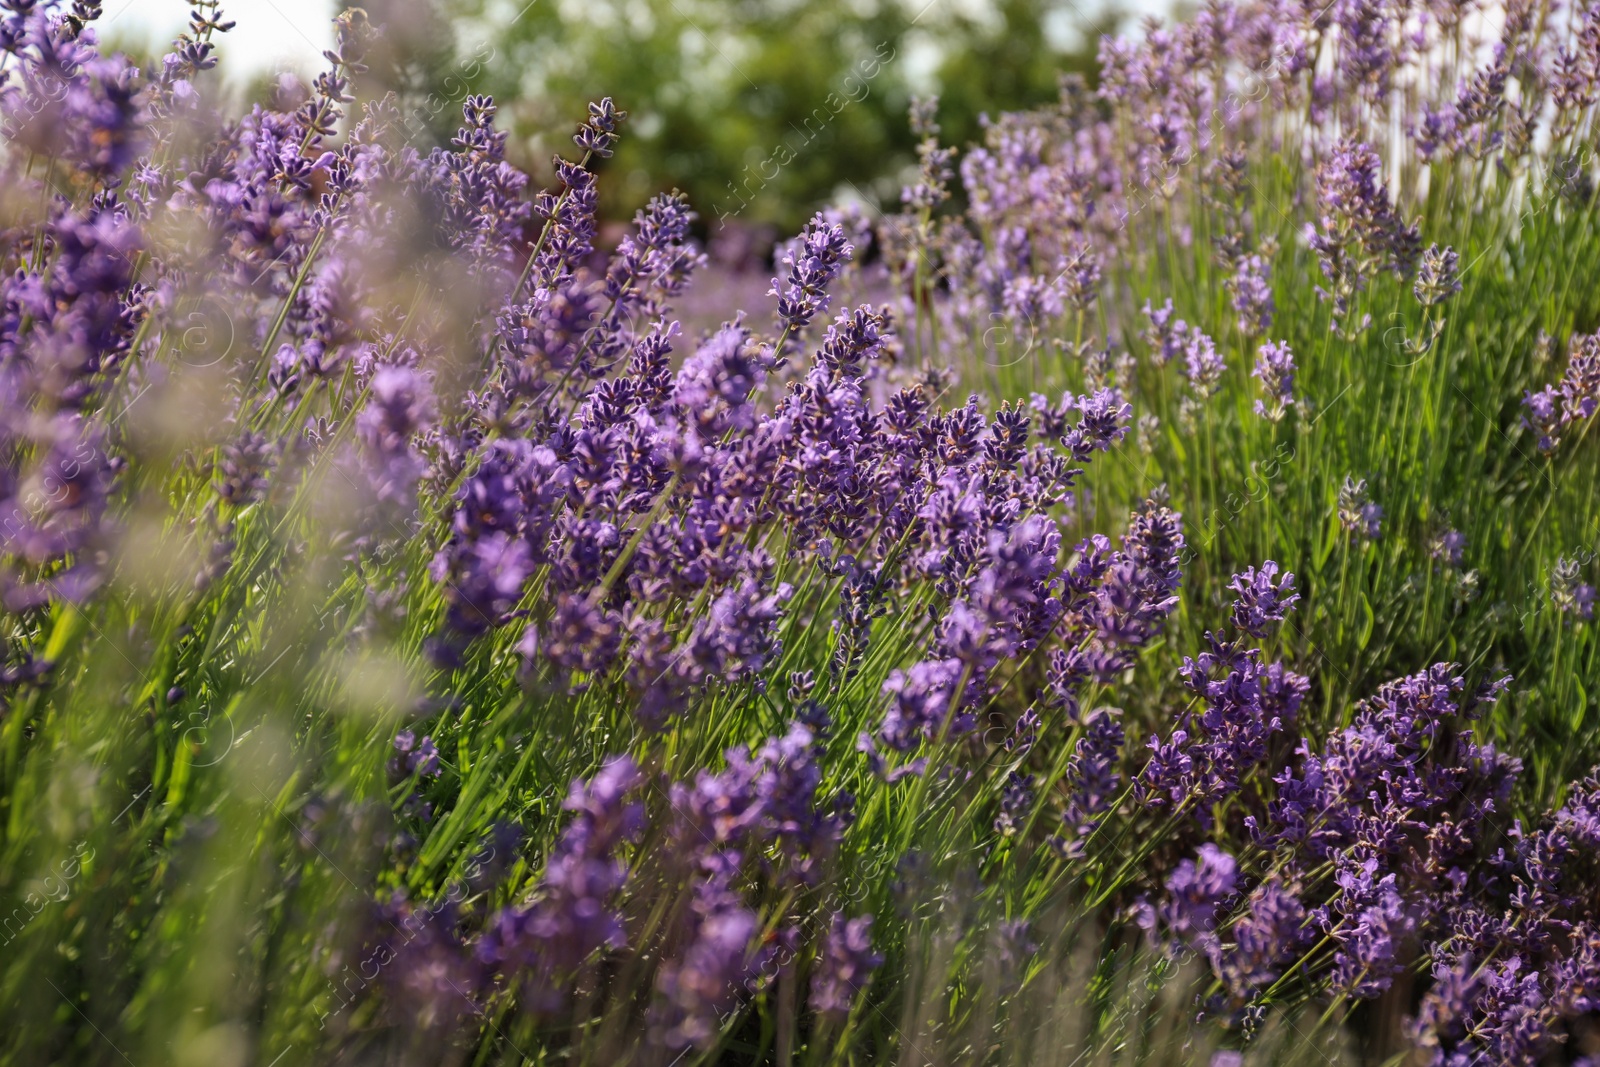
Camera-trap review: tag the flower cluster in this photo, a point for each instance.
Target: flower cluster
(1553, 410)
(1358, 513)
(1244, 703)
(1275, 368)
(1359, 231)
(1380, 842)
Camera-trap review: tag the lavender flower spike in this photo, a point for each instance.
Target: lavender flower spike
(1275, 368)
(1196, 889)
(814, 261)
(844, 966)
(1357, 512)
(1438, 278)
(1259, 600)
(1569, 593)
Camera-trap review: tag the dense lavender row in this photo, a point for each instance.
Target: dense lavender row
(442, 656)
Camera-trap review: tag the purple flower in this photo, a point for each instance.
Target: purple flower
(245, 469)
(1105, 417)
(787, 791)
(548, 333)
(634, 510)
(598, 133)
(1445, 1012)
(1276, 370)
(1516, 1021)
(483, 580)
(1202, 364)
(1579, 818)
(72, 103)
(1543, 417)
(1259, 600)
(1006, 606)
(1569, 594)
(1169, 770)
(400, 405)
(1093, 778)
(421, 757)
(760, 810)
(1272, 931)
(1397, 802)
(737, 636)
(705, 981)
(426, 968)
(1437, 277)
(56, 514)
(1359, 231)
(105, 116)
(814, 260)
(714, 387)
(1142, 579)
(855, 337)
(934, 171)
(1580, 386)
(1448, 547)
(1357, 512)
(1244, 704)
(1252, 295)
(581, 635)
(572, 915)
(1008, 438)
(1165, 335)
(1371, 937)
(1080, 273)
(1196, 889)
(504, 516)
(766, 800)
(920, 704)
(844, 966)
(1366, 57)
(650, 265)
(1016, 801)
(1479, 103)
(721, 809)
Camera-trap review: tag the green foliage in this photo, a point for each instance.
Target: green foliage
(759, 109)
(1011, 60)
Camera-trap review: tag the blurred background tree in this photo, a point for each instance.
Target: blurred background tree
(760, 110)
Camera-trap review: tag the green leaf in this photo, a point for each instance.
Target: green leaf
(1329, 540)
(1366, 623)
(69, 623)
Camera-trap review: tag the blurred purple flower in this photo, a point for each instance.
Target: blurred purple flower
(844, 966)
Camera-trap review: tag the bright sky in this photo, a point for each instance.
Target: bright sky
(270, 35)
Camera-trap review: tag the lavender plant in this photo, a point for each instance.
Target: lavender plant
(417, 647)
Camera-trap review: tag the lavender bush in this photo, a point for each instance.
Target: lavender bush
(419, 649)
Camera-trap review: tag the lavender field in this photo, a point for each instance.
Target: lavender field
(1129, 601)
